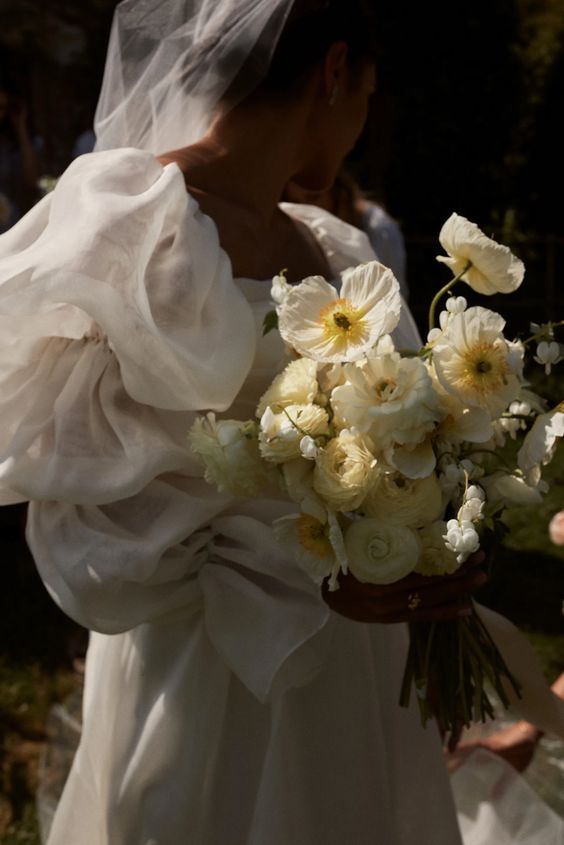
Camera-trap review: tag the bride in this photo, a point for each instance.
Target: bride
(226, 703)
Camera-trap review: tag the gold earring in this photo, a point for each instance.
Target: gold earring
(333, 95)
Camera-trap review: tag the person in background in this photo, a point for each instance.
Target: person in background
(346, 200)
(19, 158)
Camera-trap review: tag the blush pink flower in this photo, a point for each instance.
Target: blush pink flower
(556, 528)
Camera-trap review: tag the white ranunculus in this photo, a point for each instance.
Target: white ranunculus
(494, 268)
(539, 444)
(280, 434)
(345, 471)
(472, 361)
(295, 385)
(380, 553)
(230, 454)
(390, 398)
(329, 326)
(435, 558)
(402, 501)
(506, 489)
(317, 543)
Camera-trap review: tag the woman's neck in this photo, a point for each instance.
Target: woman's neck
(246, 160)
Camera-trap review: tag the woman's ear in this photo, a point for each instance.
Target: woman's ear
(335, 71)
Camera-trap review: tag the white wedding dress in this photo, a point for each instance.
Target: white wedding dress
(224, 703)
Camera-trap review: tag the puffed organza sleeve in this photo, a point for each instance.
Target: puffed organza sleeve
(118, 314)
(119, 321)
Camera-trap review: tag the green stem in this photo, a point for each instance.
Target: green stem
(442, 292)
(540, 335)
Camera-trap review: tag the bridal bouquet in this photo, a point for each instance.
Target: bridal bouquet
(395, 459)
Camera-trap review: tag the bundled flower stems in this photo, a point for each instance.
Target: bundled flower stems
(393, 457)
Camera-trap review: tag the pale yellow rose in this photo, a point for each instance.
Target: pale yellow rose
(404, 501)
(380, 553)
(345, 471)
(436, 558)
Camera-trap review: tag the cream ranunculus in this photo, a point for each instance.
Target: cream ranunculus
(295, 385)
(345, 471)
(494, 268)
(380, 553)
(401, 501)
(390, 398)
(230, 454)
(473, 361)
(436, 558)
(281, 434)
(329, 326)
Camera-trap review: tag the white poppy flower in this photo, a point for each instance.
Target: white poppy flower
(330, 326)
(472, 361)
(507, 489)
(345, 471)
(494, 268)
(317, 544)
(230, 454)
(390, 398)
(380, 553)
(435, 558)
(539, 444)
(280, 434)
(548, 354)
(402, 501)
(295, 385)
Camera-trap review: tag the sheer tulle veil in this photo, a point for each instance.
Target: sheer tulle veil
(171, 63)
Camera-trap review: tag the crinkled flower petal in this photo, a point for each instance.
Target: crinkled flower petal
(494, 267)
(321, 323)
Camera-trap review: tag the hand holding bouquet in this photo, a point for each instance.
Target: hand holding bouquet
(394, 457)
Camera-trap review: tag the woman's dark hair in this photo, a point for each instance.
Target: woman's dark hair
(311, 29)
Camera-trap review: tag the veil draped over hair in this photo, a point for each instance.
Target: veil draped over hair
(171, 63)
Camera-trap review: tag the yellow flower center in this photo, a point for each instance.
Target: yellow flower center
(312, 536)
(342, 322)
(484, 368)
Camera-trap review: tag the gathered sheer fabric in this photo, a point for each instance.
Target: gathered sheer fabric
(224, 702)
